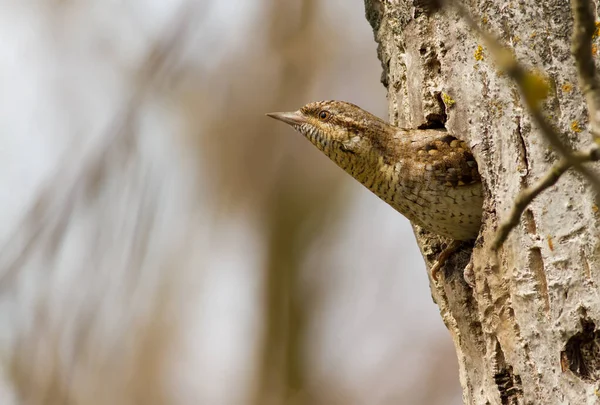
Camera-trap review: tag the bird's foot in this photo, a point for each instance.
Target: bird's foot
(443, 257)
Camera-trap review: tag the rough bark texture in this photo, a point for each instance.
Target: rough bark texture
(529, 331)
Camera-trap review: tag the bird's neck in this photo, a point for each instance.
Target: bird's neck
(370, 169)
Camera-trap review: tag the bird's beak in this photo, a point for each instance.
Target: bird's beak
(292, 118)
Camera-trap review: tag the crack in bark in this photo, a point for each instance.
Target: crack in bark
(536, 264)
(586, 266)
(572, 234)
(509, 384)
(582, 352)
(436, 120)
(434, 108)
(523, 157)
(529, 222)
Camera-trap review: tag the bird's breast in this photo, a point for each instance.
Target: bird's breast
(450, 211)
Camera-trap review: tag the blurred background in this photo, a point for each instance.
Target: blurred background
(163, 242)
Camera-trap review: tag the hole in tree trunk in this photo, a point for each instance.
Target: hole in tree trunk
(582, 352)
(509, 384)
(436, 120)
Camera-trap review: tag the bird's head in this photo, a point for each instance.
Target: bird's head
(338, 128)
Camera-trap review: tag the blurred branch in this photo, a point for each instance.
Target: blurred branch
(282, 365)
(42, 370)
(584, 30)
(51, 210)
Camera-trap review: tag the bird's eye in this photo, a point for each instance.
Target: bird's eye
(324, 115)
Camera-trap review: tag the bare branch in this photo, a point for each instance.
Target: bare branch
(584, 28)
(526, 196)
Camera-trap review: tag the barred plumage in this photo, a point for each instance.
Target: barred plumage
(429, 176)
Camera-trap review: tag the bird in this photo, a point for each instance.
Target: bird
(428, 175)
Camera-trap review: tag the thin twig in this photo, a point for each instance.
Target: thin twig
(565, 151)
(526, 196)
(584, 28)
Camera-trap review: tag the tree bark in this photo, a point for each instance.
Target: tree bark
(527, 332)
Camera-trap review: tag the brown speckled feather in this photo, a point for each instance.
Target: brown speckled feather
(447, 158)
(429, 176)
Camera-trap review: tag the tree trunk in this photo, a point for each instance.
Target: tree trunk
(526, 333)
